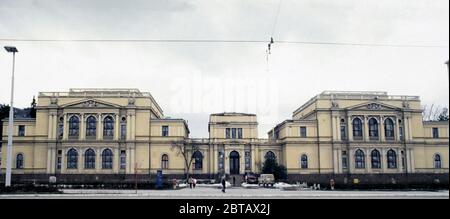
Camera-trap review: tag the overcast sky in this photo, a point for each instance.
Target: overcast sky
(193, 80)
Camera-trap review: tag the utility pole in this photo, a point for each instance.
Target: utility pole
(10, 121)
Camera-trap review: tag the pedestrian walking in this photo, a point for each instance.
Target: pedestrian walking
(190, 182)
(194, 182)
(223, 184)
(234, 181)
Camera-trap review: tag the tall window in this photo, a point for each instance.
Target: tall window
(74, 126)
(343, 132)
(72, 159)
(389, 129)
(123, 159)
(373, 128)
(304, 161)
(165, 130)
(91, 127)
(376, 159)
(228, 133)
(392, 159)
(233, 133)
(303, 131)
(270, 155)
(359, 159)
(437, 161)
(435, 132)
(403, 159)
(123, 131)
(108, 127)
(60, 130)
(198, 160)
(21, 130)
(164, 161)
(400, 133)
(89, 159)
(19, 161)
(344, 160)
(107, 159)
(239, 133)
(357, 128)
(248, 160)
(59, 160)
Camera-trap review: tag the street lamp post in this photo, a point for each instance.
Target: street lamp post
(10, 121)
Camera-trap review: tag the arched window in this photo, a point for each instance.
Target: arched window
(392, 159)
(91, 127)
(72, 159)
(359, 159)
(107, 159)
(198, 160)
(270, 155)
(74, 126)
(108, 127)
(304, 161)
(437, 161)
(376, 159)
(373, 128)
(19, 161)
(164, 161)
(89, 159)
(357, 128)
(389, 128)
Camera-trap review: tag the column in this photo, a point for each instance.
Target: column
(333, 127)
(128, 160)
(116, 163)
(128, 127)
(411, 161)
(98, 160)
(49, 160)
(383, 160)
(382, 131)
(336, 161)
(82, 127)
(349, 128)
(366, 129)
(66, 128)
(133, 127)
(100, 129)
(63, 160)
(367, 160)
(133, 164)
(116, 128)
(399, 161)
(49, 130)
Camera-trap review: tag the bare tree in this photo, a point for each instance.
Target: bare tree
(185, 149)
(434, 113)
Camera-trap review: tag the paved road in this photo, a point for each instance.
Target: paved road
(233, 193)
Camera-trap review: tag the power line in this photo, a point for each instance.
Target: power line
(219, 41)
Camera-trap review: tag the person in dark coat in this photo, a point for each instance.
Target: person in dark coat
(223, 184)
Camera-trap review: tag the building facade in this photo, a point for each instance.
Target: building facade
(117, 134)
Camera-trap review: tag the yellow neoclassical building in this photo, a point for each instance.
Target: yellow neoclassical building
(88, 135)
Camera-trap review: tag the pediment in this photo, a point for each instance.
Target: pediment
(90, 103)
(373, 105)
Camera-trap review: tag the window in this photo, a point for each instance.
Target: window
(123, 159)
(60, 130)
(108, 127)
(392, 159)
(304, 161)
(400, 133)
(72, 159)
(233, 133)
(239, 130)
(373, 128)
(437, 161)
(123, 131)
(403, 159)
(107, 159)
(228, 133)
(91, 127)
(343, 132)
(164, 161)
(303, 131)
(74, 126)
(359, 159)
(389, 129)
(376, 159)
(221, 160)
(248, 160)
(21, 130)
(435, 132)
(270, 155)
(357, 128)
(344, 160)
(19, 161)
(59, 160)
(89, 159)
(165, 130)
(198, 160)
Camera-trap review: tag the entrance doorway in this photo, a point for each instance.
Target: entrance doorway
(234, 162)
